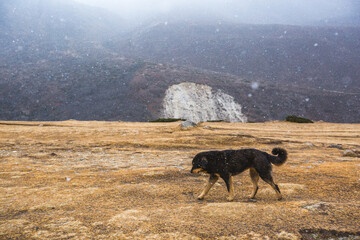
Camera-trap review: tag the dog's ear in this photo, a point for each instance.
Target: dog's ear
(204, 162)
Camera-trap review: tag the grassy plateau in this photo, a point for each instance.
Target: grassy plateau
(123, 180)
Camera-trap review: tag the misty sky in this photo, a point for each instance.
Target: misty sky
(259, 11)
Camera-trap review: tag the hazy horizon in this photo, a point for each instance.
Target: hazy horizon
(248, 11)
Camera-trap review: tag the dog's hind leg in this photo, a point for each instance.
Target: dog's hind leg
(212, 180)
(254, 178)
(230, 186)
(269, 179)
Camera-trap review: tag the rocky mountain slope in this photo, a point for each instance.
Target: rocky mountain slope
(313, 57)
(74, 64)
(122, 89)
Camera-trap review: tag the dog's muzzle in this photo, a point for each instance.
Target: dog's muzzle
(197, 170)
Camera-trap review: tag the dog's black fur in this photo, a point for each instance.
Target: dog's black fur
(228, 163)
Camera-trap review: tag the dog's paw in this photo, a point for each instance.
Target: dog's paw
(230, 199)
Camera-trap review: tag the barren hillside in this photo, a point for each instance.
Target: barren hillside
(62, 60)
(308, 57)
(120, 180)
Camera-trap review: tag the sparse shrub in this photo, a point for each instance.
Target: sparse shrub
(167, 120)
(216, 121)
(296, 119)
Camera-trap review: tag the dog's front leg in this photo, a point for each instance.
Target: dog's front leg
(212, 180)
(230, 186)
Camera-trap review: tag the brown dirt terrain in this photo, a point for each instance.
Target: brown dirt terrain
(120, 180)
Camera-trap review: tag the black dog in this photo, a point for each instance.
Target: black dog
(228, 163)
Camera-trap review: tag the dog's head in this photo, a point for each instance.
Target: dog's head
(199, 164)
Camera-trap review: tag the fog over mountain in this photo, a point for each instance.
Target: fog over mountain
(297, 12)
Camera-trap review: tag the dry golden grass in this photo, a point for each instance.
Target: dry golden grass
(120, 180)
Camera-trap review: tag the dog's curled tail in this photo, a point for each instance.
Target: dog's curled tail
(281, 157)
